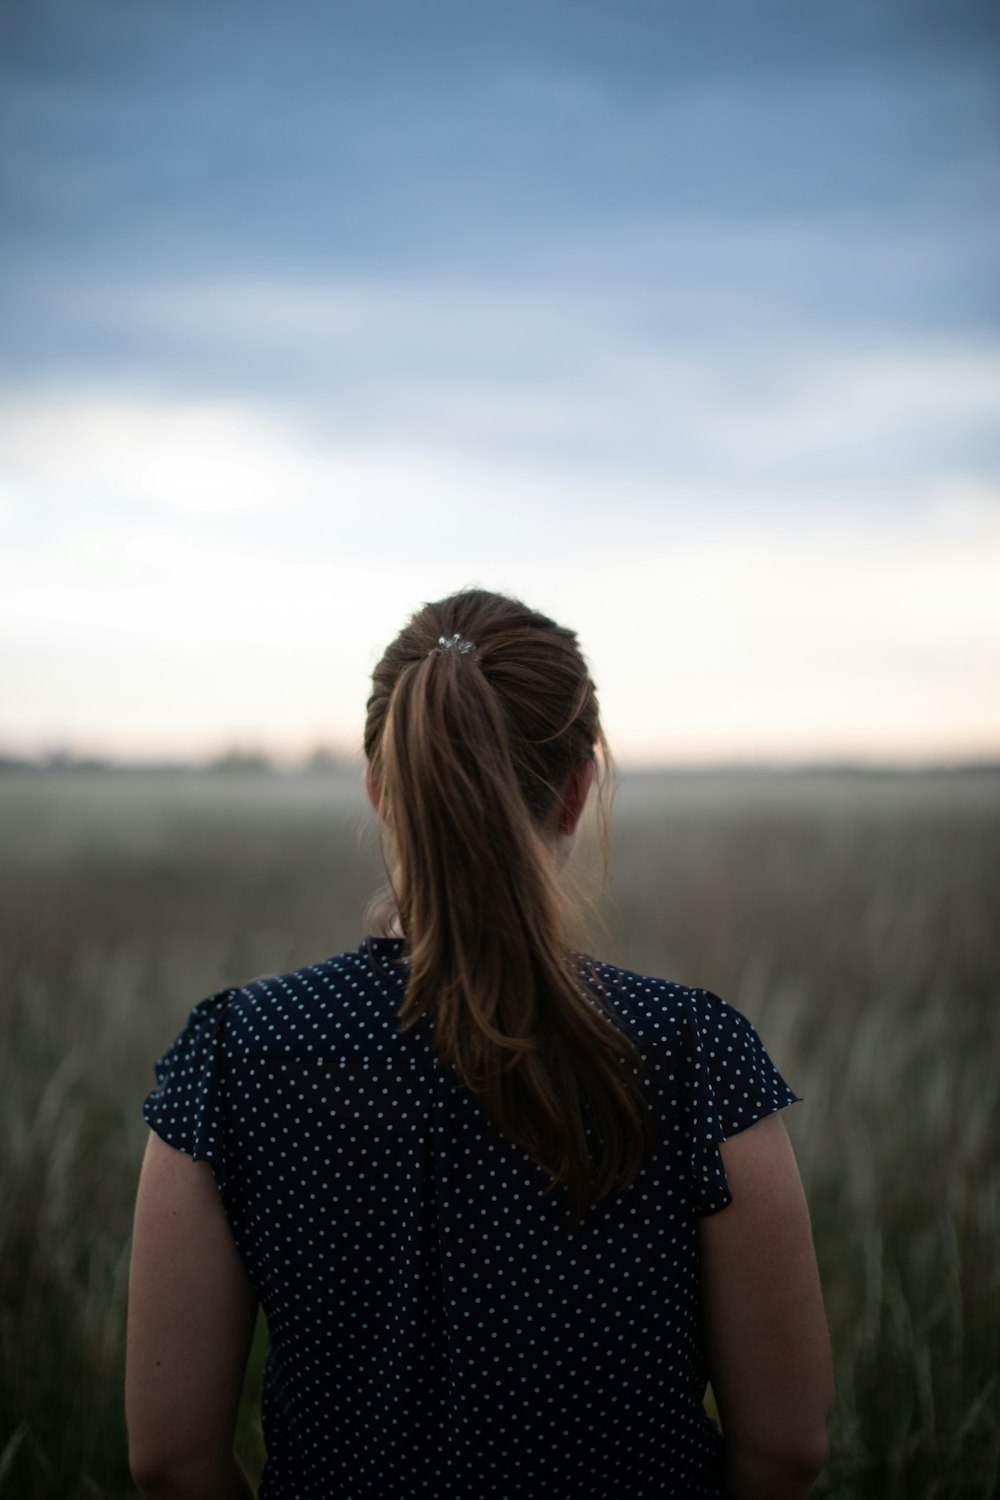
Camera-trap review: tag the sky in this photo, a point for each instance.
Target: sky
(678, 320)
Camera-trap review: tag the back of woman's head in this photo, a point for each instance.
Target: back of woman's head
(482, 727)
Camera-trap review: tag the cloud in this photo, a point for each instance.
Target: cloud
(519, 374)
(177, 574)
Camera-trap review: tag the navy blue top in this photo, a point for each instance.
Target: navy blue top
(437, 1328)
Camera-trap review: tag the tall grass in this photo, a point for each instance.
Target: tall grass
(852, 917)
(855, 920)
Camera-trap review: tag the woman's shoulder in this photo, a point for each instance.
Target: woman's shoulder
(356, 969)
(704, 1053)
(676, 1023)
(340, 1008)
(653, 1002)
(349, 993)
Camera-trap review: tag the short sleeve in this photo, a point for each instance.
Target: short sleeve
(187, 1107)
(734, 1084)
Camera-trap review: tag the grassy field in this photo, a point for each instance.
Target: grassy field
(853, 917)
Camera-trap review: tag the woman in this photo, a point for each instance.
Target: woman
(505, 1207)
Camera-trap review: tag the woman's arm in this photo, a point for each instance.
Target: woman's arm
(191, 1317)
(765, 1329)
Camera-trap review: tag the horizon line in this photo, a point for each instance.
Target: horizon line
(327, 761)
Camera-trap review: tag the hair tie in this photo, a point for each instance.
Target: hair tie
(453, 642)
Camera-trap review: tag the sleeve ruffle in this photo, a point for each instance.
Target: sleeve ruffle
(187, 1107)
(734, 1084)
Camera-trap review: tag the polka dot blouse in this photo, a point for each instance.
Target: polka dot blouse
(437, 1327)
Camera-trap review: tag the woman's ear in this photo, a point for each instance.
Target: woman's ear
(575, 794)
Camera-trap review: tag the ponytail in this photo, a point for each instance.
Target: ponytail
(469, 797)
